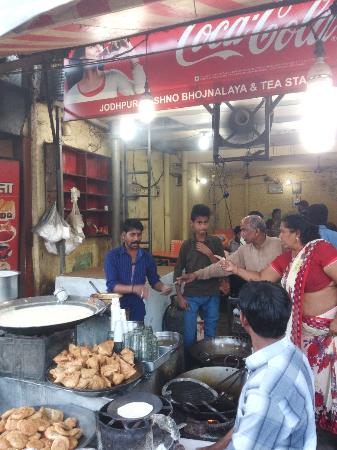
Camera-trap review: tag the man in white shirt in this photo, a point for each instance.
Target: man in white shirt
(276, 405)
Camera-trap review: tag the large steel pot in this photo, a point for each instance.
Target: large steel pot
(221, 350)
(8, 285)
(31, 306)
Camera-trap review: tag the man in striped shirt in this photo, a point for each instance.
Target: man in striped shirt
(276, 405)
(126, 269)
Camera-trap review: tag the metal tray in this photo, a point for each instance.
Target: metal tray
(86, 420)
(100, 392)
(164, 355)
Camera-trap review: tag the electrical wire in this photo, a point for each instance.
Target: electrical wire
(214, 41)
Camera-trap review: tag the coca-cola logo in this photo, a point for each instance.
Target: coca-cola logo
(255, 33)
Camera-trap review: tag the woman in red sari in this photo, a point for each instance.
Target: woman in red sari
(308, 271)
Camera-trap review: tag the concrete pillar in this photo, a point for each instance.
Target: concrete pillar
(167, 209)
(116, 191)
(185, 196)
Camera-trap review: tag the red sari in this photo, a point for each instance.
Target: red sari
(304, 273)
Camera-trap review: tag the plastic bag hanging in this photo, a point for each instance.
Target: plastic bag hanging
(75, 217)
(52, 227)
(76, 223)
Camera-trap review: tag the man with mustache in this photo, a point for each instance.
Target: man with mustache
(126, 269)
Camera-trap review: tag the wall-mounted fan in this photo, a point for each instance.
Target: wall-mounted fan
(242, 125)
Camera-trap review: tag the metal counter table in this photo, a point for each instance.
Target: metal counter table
(77, 283)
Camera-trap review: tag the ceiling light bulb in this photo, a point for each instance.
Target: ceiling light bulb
(204, 141)
(203, 180)
(146, 107)
(127, 128)
(318, 125)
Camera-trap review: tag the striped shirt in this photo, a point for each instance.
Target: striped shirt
(276, 406)
(119, 269)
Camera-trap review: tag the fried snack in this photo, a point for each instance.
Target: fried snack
(17, 439)
(35, 436)
(61, 357)
(71, 422)
(27, 427)
(107, 371)
(11, 424)
(126, 369)
(128, 356)
(105, 348)
(42, 429)
(51, 433)
(22, 413)
(83, 383)
(54, 415)
(93, 368)
(76, 433)
(8, 413)
(118, 378)
(71, 380)
(93, 362)
(42, 424)
(36, 443)
(96, 383)
(72, 443)
(4, 444)
(60, 443)
(62, 429)
(88, 373)
(58, 373)
(107, 382)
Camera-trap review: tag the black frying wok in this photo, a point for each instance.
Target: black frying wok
(94, 305)
(221, 351)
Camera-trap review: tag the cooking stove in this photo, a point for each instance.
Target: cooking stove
(208, 422)
(132, 434)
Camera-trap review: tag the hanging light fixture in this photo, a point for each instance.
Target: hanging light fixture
(146, 108)
(318, 127)
(204, 141)
(127, 128)
(320, 74)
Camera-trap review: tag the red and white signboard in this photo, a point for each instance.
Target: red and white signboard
(9, 214)
(252, 55)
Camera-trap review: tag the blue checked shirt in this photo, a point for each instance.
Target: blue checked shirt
(276, 406)
(118, 269)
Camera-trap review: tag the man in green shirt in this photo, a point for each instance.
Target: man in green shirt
(196, 253)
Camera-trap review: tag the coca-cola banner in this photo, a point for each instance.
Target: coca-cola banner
(251, 55)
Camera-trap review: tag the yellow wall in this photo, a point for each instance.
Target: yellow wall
(252, 194)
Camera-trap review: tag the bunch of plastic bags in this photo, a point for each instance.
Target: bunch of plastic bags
(53, 228)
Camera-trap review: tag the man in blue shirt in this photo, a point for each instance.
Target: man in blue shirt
(318, 214)
(126, 269)
(276, 405)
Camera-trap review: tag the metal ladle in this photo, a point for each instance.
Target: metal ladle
(95, 287)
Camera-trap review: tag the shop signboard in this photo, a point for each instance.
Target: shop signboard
(9, 214)
(251, 55)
